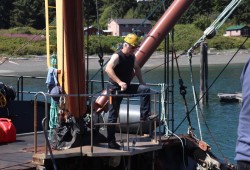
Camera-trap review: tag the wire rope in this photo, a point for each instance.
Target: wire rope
(213, 82)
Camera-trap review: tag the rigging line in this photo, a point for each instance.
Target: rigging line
(183, 93)
(87, 64)
(100, 50)
(159, 4)
(182, 88)
(222, 70)
(39, 34)
(197, 105)
(230, 12)
(212, 29)
(99, 70)
(227, 11)
(163, 63)
(87, 48)
(205, 94)
(164, 115)
(97, 18)
(48, 144)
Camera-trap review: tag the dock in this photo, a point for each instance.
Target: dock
(230, 97)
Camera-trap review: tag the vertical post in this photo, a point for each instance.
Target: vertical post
(153, 162)
(155, 119)
(72, 63)
(91, 125)
(203, 71)
(47, 32)
(127, 124)
(206, 70)
(35, 126)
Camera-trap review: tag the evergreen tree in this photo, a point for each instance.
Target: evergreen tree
(28, 13)
(241, 15)
(5, 11)
(219, 5)
(21, 13)
(196, 9)
(90, 13)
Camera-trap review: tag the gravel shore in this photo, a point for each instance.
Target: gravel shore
(38, 64)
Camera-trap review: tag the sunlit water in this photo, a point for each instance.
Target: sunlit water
(221, 119)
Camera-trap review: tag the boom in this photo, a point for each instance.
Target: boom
(161, 29)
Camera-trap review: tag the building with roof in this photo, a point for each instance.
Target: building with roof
(237, 30)
(91, 30)
(121, 27)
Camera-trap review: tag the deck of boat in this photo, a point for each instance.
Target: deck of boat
(20, 154)
(144, 153)
(15, 156)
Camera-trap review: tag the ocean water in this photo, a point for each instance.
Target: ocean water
(218, 121)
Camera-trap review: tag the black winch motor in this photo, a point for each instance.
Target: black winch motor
(7, 93)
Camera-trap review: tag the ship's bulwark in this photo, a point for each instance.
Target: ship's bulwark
(21, 114)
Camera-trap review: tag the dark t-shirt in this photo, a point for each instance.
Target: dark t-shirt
(125, 68)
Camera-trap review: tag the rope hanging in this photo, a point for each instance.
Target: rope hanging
(163, 115)
(210, 32)
(196, 102)
(53, 121)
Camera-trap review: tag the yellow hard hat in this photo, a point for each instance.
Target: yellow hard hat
(131, 39)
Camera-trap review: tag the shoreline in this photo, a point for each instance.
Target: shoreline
(39, 63)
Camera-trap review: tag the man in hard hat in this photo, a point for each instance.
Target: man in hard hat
(120, 69)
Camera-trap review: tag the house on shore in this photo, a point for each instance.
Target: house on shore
(238, 30)
(91, 30)
(121, 27)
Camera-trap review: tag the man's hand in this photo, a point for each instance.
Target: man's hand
(123, 86)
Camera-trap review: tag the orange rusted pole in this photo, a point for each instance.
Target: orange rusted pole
(74, 58)
(161, 29)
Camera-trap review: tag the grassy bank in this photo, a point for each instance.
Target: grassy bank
(27, 41)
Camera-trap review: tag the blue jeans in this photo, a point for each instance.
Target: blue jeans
(114, 107)
(243, 165)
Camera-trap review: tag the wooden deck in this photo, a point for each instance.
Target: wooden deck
(15, 155)
(20, 154)
(143, 144)
(142, 153)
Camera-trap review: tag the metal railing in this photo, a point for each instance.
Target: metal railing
(156, 95)
(19, 82)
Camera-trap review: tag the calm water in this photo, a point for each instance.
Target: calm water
(221, 118)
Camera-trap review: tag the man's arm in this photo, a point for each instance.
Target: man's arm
(111, 73)
(138, 74)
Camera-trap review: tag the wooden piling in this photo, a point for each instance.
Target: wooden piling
(203, 72)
